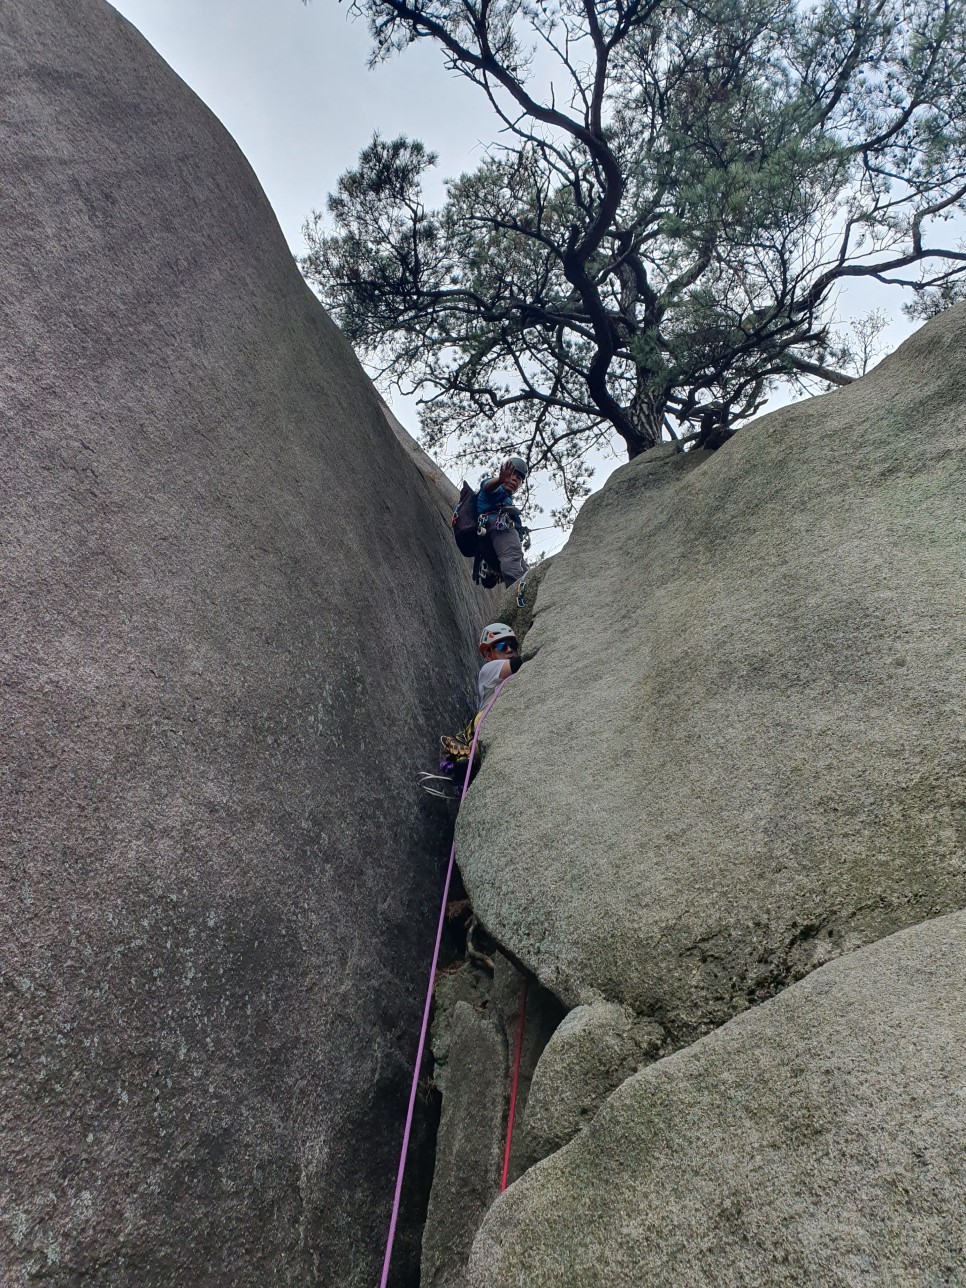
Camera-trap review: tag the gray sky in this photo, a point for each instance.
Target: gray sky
(290, 83)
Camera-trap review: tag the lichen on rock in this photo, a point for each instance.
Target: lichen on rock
(734, 764)
(816, 1139)
(593, 1050)
(737, 749)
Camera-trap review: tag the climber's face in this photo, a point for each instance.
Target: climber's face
(504, 649)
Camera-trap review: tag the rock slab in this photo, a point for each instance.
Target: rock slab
(221, 572)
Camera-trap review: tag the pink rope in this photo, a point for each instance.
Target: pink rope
(513, 1086)
(401, 1171)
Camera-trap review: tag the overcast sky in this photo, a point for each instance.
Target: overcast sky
(290, 83)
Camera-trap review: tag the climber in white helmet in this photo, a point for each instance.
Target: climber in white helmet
(501, 658)
(499, 519)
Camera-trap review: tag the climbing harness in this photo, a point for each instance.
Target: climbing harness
(424, 1028)
(513, 1086)
(472, 533)
(454, 764)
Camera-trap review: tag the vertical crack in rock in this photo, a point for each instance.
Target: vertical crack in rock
(474, 1035)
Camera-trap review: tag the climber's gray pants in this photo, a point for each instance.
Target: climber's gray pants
(509, 552)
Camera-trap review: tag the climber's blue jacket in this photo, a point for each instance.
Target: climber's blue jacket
(493, 502)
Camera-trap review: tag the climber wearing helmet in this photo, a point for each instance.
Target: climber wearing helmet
(499, 519)
(501, 658)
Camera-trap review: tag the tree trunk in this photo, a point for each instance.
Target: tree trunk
(646, 415)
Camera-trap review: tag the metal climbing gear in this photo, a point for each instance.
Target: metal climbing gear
(486, 576)
(465, 522)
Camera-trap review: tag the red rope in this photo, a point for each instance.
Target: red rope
(513, 1086)
(401, 1170)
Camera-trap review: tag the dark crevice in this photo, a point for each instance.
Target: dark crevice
(417, 1183)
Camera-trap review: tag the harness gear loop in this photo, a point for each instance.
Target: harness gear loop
(424, 1028)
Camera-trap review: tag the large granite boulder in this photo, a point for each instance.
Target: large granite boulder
(233, 625)
(737, 749)
(818, 1139)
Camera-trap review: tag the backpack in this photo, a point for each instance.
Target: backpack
(474, 543)
(465, 527)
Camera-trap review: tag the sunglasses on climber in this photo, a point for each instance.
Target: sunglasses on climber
(505, 646)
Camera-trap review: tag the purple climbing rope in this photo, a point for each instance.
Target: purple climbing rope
(401, 1171)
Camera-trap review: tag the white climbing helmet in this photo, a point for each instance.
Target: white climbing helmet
(495, 631)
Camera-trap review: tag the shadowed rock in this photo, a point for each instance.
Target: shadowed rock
(736, 751)
(234, 623)
(818, 1139)
(470, 1068)
(476, 1029)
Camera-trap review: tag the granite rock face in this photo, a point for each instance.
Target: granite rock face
(736, 752)
(591, 1053)
(735, 755)
(222, 577)
(470, 1072)
(519, 615)
(817, 1139)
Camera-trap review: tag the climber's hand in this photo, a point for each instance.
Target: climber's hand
(509, 478)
